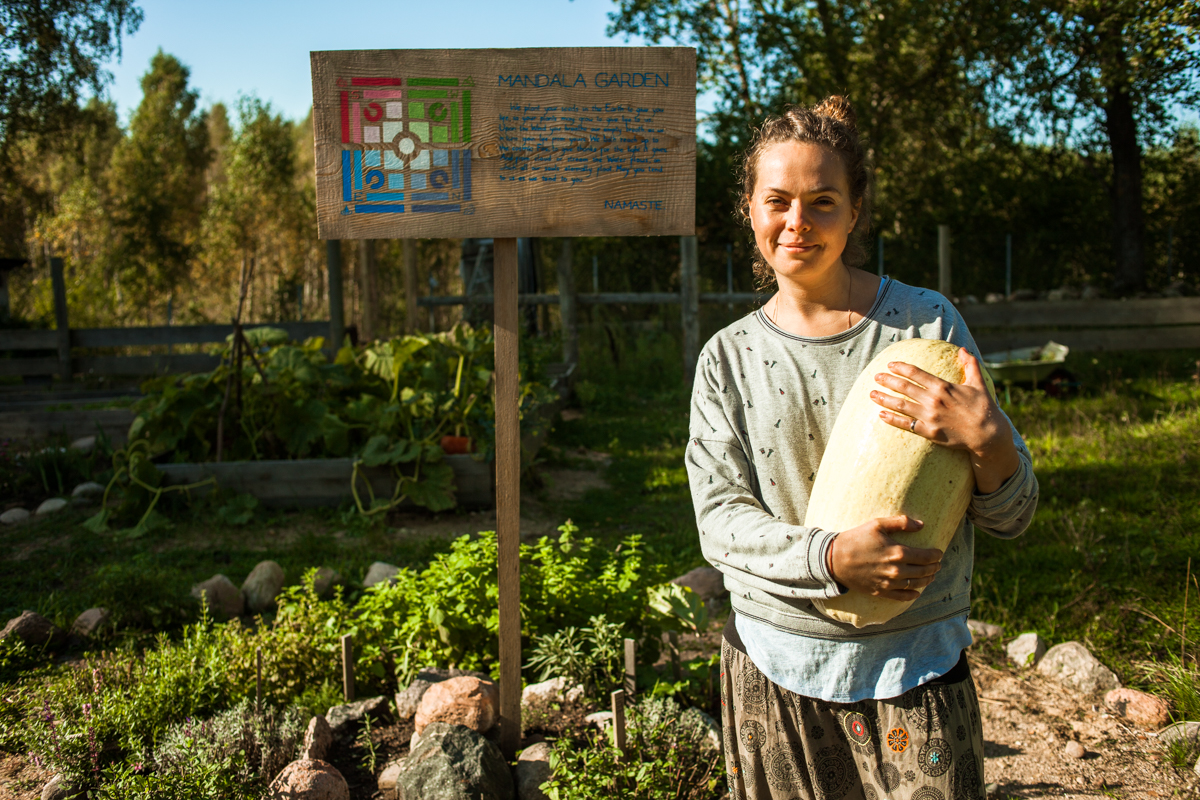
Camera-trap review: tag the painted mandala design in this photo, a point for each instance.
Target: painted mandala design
(833, 772)
(752, 735)
(928, 793)
(961, 733)
(858, 729)
(897, 740)
(888, 776)
(817, 732)
(783, 769)
(909, 775)
(935, 757)
(869, 792)
(962, 698)
(751, 689)
(968, 784)
(925, 710)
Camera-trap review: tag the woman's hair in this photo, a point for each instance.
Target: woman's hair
(830, 124)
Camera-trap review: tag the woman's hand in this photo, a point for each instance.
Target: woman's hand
(961, 416)
(867, 559)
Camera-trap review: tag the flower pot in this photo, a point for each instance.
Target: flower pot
(456, 445)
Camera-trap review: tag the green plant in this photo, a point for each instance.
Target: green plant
(682, 603)
(588, 657)
(365, 741)
(670, 757)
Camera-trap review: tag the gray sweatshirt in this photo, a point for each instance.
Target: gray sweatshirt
(763, 406)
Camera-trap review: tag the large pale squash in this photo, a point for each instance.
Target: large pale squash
(871, 469)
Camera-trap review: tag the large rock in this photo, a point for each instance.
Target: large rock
(452, 762)
(90, 621)
(983, 630)
(324, 581)
(51, 506)
(379, 572)
(224, 599)
(533, 769)
(88, 490)
(1143, 710)
(1180, 730)
(57, 788)
(438, 674)
(707, 582)
(33, 629)
(14, 516)
(600, 719)
(262, 586)
(317, 739)
(1027, 649)
(309, 779)
(1073, 665)
(343, 718)
(408, 701)
(465, 700)
(547, 692)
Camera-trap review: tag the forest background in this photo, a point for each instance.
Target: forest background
(1063, 123)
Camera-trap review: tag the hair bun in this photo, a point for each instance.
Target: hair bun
(837, 107)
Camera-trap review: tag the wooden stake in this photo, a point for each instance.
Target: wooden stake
(567, 304)
(673, 641)
(258, 681)
(410, 286)
(337, 319)
(347, 669)
(630, 668)
(944, 259)
(508, 492)
(1183, 627)
(689, 301)
(618, 711)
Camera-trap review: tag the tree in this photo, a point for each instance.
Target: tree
(50, 50)
(157, 181)
(1111, 72)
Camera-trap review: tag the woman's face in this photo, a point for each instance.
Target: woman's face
(801, 210)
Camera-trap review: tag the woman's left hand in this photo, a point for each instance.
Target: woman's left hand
(961, 416)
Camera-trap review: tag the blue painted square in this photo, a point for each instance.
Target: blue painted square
(441, 158)
(395, 180)
(391, 160)
(418, 181)
(371, 158)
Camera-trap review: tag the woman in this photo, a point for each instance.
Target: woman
(815, 708)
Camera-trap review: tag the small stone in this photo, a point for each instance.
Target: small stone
(533, 769)
(13, 516)
(90, 621)
(1180, 730)
(224, 599)
(33, 629)
(317, 739)
(262, 586)
(58, 789)
(408, 701)
(544, 693)
(309, 779)
(601, 719)
(1196, 769)
(1072, 664)
(343, 718)
(1027, 649)
(378, 573)
(707, 582)
(88, 490)
(387, 779)
(325, 579)
(1074, 750)
(992, 788)
(464, 700)
(84, 445)
(983, 630)
(1143, 710)
(50, 506)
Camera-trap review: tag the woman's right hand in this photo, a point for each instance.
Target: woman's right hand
(867, 559)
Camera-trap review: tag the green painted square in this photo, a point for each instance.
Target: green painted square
(441, 133)
(416, 111)
(420, 130)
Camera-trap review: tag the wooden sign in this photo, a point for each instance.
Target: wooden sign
(587, 141)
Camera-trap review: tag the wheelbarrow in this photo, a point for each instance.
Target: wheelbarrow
(1025, 364)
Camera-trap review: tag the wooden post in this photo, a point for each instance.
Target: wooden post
(673, 644)
(410, 286)
(689, 300)
(337, 320)
(508, 492)
(368, 280)
(258, 681)
(630, 668)
(944, 260)
(59, 286)
(347, 669)
(568, 304)
(618, 712)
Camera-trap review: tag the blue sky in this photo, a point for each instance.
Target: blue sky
(261, 46)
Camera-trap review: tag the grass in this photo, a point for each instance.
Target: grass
(1103, 562)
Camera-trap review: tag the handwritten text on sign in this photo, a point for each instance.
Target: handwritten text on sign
(425, 143)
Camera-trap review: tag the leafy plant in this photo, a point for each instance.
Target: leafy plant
(365, 741)
(588, 657)
(682, 603)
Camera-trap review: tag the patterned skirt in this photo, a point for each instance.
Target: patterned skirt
(926, 744)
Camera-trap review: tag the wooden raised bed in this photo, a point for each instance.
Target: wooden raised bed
(310, 482)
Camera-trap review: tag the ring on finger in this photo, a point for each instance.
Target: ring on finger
(913, 427)
(908, 584)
